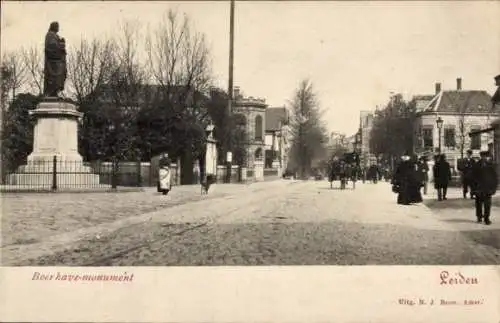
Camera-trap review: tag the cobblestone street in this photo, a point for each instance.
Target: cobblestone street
(272, 223)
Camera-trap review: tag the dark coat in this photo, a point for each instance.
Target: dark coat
(465, 166)
(373, 172)
(442, 174)
(406, 183)
(485, 178)
(423, 171)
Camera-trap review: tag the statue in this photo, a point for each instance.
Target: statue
(55, 70)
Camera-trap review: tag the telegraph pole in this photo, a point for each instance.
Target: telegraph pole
(231, 58)
(230, 84)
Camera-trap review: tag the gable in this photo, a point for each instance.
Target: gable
(275, 117)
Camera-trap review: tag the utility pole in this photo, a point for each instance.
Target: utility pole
(231, 58)
(230, 83)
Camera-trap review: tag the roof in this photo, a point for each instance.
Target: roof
(421, 101)
(275, 117)
(475, 102)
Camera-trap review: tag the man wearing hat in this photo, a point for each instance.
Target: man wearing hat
(485, 186)
(465, 167)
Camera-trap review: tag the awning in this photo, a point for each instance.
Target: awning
(478, 132)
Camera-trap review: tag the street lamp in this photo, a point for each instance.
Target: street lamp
(439, 123)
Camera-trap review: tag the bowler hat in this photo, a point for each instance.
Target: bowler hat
(469, 151)
(497, 77)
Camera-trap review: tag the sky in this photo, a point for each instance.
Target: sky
(354, 53)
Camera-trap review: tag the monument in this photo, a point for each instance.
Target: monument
(56, 128)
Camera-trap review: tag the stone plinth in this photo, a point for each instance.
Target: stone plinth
(55, 134)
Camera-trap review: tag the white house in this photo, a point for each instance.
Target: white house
(444, 123)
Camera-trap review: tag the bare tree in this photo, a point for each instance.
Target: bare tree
(125, 89)
(179, 62)
(33, 61)
(309, 136)
(89, 67)
(462, 134)
(13, 73)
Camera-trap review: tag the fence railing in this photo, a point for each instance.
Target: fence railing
(60, 174)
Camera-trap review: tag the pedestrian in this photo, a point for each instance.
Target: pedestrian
(343, 173)
(423, 169)
(485, 182)
(405, 183)
(416, 182)
(164, 175)
(332, 172)
(354, 170)
(442, 176)
(465, 167)
(373, 173)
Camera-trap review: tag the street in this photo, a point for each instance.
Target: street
(273, 223)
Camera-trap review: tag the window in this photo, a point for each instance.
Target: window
(258, 128)
(449, 138)
(475, 140)
(427, 137)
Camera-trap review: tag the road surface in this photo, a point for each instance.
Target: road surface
(281, 223)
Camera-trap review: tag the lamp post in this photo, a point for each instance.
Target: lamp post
(439, 123)
(112, 133)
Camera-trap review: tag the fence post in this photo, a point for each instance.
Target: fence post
(139, 174)
(54, 173)
(113, 173)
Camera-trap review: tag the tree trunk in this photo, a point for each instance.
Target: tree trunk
(187, 164)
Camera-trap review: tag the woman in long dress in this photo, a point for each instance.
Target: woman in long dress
(164, 175)
(405, 182)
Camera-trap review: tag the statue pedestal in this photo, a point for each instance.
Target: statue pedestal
(55, 134)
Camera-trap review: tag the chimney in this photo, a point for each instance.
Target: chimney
(236, 92)
(438, 88)
(459, 84)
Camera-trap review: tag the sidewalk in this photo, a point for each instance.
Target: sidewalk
(460, 212)
(377, 204)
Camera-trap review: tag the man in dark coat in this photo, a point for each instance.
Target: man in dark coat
(465, 167)
(485, 186)
(442, 176)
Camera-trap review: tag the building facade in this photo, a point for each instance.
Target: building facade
(253, 112)
(461, 112)
(277, 137)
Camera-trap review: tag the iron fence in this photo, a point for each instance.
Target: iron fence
(59, 174)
